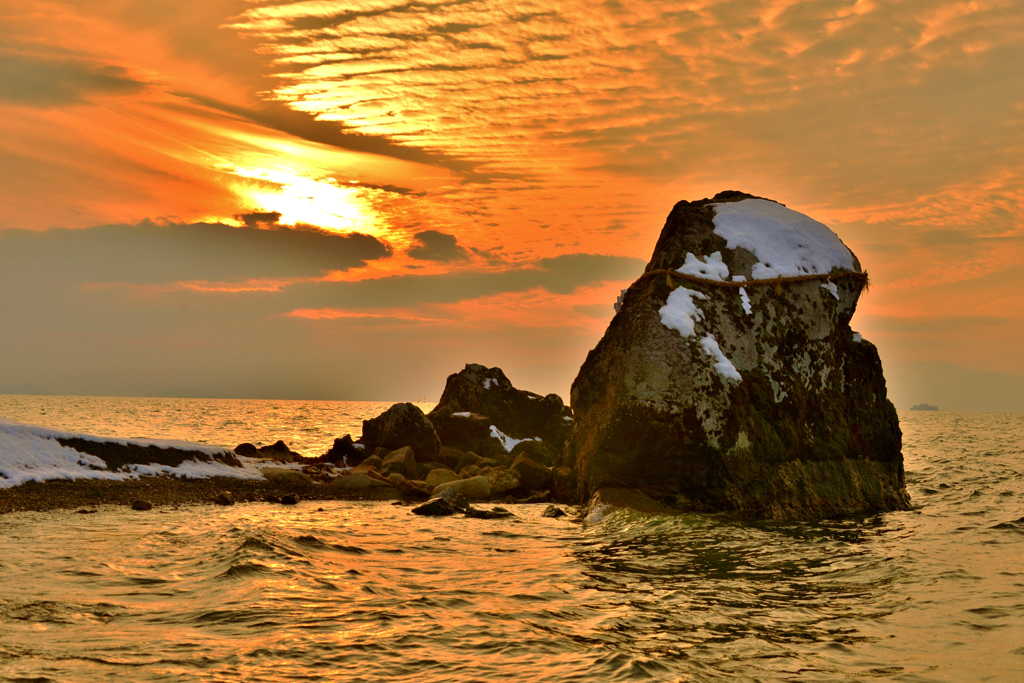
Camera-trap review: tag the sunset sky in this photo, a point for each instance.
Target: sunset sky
(351, 199)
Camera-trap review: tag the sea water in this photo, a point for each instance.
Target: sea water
(366, 591)
(308, 427)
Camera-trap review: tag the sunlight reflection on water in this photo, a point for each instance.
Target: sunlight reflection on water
(308, 427)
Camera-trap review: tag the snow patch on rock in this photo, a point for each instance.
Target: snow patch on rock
(711, 268)
(31, 453)
(680, 313)
(745, 301)
(507, 442)
(723, 366)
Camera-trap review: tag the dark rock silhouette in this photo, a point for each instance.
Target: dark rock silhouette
(224, 498)
(279, 450)
(403, 424)
(466, 431)
(493, 513)
(345, 452)
(117, 455)
(486, 392)
(758, 400)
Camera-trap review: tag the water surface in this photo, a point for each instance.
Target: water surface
(365, 591)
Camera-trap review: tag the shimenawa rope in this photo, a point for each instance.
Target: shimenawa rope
(777, 281)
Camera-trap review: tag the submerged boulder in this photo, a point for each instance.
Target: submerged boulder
(403, 424)
(480, 392)
(755, 397)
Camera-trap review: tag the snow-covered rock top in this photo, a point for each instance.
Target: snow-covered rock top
(786, 243)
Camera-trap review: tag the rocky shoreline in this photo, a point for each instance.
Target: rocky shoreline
(165, 491)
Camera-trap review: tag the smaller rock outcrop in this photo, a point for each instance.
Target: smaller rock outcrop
(279, 450)
(118, 454)
(224, 498)
(346, 452)
(403, 424)
(435, 507)
(493, 513)
(487, 392)
(553, 511)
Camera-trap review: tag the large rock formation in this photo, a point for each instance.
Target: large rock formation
(758, 399)
(478, 397)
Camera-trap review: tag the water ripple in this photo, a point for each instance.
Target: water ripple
(366, 591)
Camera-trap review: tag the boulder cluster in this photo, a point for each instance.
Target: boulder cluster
(484, 440)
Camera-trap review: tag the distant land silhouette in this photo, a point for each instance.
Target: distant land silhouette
(924, 406)
(953, 387)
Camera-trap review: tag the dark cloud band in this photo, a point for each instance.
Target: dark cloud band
(150, 253)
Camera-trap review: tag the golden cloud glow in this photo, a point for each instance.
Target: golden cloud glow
(321, 202)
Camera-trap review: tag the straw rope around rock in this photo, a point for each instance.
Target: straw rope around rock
(777, 281)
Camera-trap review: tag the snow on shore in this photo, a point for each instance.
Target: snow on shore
(32, 453)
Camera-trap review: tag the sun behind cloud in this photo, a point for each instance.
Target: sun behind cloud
(299, 199)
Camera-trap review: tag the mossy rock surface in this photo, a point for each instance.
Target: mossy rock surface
(805, 431)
